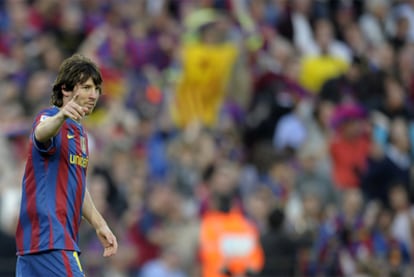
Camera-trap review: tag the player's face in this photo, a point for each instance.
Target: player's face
(88, 94)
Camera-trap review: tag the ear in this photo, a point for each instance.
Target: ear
(65, 92)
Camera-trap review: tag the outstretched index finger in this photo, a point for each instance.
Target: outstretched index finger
(75, 97)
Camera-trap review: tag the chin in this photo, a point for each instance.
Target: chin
(90, 111)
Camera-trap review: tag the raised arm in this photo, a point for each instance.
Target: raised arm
(105, 235)
(49, 127)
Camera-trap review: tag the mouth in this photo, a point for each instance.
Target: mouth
(90, 106)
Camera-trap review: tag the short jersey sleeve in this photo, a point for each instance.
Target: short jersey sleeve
(49, 147)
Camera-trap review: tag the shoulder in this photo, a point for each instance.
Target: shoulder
(47, 112)
(43, 114)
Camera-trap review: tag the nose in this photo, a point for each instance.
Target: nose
(94, 93)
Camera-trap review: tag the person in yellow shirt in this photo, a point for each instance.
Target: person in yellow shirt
(327, 62)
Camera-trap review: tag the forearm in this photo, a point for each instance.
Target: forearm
(105, 235)
(91, 214)
(49, 127)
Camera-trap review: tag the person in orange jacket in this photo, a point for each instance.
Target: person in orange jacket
(229, 242)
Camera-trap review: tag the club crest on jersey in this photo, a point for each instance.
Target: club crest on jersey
(43, 117)
(83, 144)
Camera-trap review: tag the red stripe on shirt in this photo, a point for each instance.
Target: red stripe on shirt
(79, 184)
(30, 188)
(19, 236)
(62, 185)
(48, 217)
(66, 262)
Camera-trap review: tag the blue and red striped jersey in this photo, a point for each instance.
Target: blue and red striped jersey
(53, 189)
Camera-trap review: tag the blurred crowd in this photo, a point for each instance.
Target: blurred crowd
(234, 137)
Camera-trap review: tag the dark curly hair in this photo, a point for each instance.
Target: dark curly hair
(76, 69)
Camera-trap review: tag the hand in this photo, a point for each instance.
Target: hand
(73, 110)
(108, 241)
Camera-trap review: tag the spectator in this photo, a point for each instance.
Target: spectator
(356, 41)
(349, 147)
(338, 239)
(389, 251)
(207, 66)
(149, 234)
(394, 104)
(229, 243)
(319, 131)
(380, 64)
(344, 88)
(402, 224)
(70, 33)
(276, 93)
(392, 166)
(374, 23)
(280, 250)
(311, 181)
(401, 35)
(259, 204)
(290, 132)
(327, 60)
(295, 25)
(168, 265)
